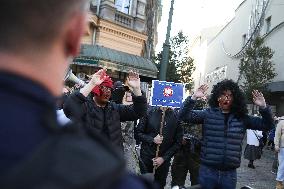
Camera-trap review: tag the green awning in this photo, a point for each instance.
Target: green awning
(86, 61)
(95, 55)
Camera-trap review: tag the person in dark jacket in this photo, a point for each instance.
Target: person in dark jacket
(35, 152)
(148, 132)
(187, 159)
(118, 92)
(98, 113)
(271, 136)
(224, 125)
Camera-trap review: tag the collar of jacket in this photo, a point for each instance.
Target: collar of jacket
(21, 86)
(219, 112)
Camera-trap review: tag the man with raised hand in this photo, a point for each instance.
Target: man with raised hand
(91, 106)
(224, 125)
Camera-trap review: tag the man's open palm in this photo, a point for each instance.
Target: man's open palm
(133, 80)
(201, 91)
(258, 98)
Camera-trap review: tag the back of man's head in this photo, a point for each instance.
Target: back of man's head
(37, 37)
(35, 24)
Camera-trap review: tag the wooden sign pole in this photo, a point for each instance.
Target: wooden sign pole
(161, 133)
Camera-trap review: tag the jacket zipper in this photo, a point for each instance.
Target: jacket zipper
(225, 143)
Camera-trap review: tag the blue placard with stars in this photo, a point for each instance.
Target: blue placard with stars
(167, 94)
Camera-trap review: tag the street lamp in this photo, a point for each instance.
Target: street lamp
(166, 46)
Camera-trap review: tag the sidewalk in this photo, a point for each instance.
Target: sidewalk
(261, 177)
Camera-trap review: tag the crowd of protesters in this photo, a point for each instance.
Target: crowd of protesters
(76, 141)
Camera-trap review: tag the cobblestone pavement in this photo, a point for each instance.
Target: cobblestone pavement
(259, 178)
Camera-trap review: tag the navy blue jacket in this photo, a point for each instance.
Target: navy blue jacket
(222, 143)
(35, 152)
(24, 108)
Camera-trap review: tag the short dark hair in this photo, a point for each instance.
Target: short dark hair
(239, 106)
(33, 23)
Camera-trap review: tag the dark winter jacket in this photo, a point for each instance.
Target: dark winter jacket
(271, 134)
(149, 127)
(25, 106)
(222, 143)
(104, 120)
(37, 153)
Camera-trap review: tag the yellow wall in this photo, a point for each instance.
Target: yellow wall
(115, 37)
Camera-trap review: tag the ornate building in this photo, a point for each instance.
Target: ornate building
(121, 35)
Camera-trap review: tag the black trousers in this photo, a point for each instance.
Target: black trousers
(270, 142)
(160, 174)
(184, 162)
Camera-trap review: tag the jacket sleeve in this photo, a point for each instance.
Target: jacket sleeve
(277, 137)
(265, 123)
(176, 146)
(187, 114)
(141, 129)
(74, 107)
(135, 111)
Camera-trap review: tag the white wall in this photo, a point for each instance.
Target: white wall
(231, 37)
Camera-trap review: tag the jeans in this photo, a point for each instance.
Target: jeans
(280, 173)
(210, 178)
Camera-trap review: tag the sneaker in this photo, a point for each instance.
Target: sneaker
(273, 172)
(279, 185)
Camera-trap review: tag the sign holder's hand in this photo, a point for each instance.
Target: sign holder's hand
(158, 161)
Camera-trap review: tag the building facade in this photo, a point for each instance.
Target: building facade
(198, 51)
(253, 18)
(117, 37)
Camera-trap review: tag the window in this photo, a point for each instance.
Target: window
(244, 39)
(123, 6)
(268, 24)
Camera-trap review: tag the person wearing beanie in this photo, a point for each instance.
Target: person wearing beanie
(118, 92)
(91, 106)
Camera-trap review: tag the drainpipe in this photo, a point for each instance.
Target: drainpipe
(94, 36)
(98, 7)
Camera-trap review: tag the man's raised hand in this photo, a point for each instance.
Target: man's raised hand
(200, 92)
(99, 77)
(133, 81)
(258, 99)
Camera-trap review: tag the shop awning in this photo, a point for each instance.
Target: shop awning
(95, 55)
(276, 86)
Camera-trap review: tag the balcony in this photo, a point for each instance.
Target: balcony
(123, 19)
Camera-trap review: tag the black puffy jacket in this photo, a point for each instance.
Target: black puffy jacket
(149, 127)
(104, 120)
(222, 143)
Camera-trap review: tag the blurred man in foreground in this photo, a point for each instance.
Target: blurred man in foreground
(37, 38)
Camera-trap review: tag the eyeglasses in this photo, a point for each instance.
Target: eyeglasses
(105, 89)
(226, 97)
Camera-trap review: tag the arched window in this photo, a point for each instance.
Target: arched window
(123, 6)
